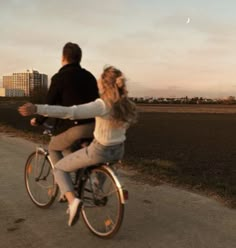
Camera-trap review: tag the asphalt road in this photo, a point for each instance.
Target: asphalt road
(160, 216)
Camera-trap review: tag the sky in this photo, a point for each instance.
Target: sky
(161, 53)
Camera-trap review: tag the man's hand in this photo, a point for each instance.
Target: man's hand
(33, 122)
(27, 109)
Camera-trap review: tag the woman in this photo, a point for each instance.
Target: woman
(113, 112)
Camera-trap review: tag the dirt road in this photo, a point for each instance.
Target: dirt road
(160, 216)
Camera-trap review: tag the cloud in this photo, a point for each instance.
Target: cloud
(175, 91)
(149, 41)
(212, 28)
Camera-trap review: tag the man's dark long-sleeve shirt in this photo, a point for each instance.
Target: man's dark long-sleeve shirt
(72, 85)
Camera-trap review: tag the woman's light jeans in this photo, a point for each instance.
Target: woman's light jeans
(95, 153)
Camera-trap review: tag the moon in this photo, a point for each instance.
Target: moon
(188, 20)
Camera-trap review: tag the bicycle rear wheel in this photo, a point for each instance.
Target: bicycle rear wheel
(39, 180)
(103, 203)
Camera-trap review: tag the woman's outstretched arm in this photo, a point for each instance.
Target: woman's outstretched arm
(83, 111)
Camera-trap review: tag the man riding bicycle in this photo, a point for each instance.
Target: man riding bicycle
(71, 85)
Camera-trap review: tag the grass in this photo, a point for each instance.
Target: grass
(29, 135)
(156, 172)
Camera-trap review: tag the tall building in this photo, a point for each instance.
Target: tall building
(31, 82)
(11, 92)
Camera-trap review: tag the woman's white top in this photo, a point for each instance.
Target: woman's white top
(105, 133)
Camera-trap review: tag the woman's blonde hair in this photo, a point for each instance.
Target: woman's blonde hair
(115, 95)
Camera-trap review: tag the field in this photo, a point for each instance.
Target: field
(189, 146)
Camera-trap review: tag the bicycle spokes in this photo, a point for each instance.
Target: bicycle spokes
(39, 180)
(102, 209)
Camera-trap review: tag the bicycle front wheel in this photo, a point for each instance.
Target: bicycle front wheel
(39, 180)
(103, 208)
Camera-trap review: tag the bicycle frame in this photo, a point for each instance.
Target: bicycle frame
(112, 199)
(45, 152)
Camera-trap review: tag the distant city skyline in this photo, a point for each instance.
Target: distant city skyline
(139, 90)
(25, 83)
(167, 48)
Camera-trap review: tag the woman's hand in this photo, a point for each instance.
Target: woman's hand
(27, 109)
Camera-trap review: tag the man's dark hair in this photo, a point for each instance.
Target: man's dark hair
(72, 52)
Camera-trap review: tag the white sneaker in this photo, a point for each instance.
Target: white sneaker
(74, 211)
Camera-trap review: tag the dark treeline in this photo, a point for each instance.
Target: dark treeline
(184, 100)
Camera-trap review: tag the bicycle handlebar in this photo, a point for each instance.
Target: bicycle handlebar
(46, 125)
(48, 129)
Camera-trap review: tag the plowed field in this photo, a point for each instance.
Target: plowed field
(193, 146)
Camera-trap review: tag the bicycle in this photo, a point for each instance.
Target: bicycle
(97, 186)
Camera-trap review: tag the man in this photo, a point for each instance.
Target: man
(72, 85)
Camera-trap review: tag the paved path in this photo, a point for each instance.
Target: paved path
(161, 216)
